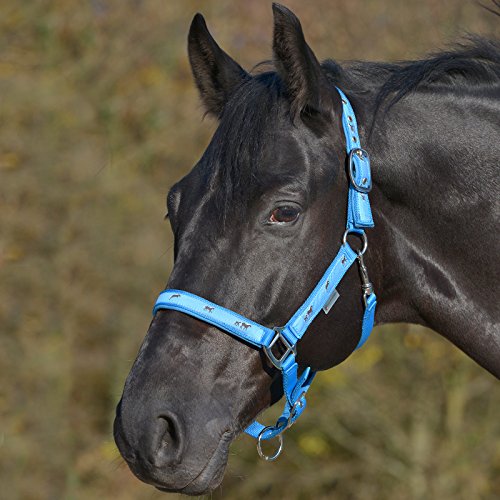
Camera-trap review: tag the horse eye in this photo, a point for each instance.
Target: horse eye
(285, 214)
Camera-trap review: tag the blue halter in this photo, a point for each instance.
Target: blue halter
(284, 339)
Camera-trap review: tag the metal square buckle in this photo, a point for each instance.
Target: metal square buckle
(366, 184)
(289, 348)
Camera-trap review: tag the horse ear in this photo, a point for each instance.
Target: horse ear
(295, 62)
(215, 73)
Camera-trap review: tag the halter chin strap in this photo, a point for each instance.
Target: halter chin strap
(279, 343)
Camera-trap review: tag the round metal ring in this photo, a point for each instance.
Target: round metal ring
(277, 453)
(363, 237)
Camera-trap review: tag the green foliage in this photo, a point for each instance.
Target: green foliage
(98, 117)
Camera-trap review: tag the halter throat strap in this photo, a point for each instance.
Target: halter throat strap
(279, 343)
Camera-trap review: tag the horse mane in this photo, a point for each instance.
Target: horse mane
(473, 61)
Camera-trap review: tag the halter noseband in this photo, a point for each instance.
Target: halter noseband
(283, 340)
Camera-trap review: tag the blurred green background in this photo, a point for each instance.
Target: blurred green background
(98, 117)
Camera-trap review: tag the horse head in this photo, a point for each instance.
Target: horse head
(256, 222)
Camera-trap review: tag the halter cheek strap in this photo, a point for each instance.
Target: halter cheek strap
(279, 343)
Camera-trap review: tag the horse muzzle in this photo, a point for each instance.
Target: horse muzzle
(167, 455)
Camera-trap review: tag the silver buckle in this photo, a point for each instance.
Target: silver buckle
(364, 187)
(278, 362)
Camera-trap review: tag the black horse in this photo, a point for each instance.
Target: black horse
(261, 216)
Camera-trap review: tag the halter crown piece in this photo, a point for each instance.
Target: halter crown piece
(283, 340)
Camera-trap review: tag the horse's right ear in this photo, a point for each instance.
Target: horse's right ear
(215, 73)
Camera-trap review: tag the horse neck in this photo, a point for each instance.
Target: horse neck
(433, 168)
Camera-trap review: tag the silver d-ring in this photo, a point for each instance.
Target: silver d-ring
(363, 237)
(277, 453)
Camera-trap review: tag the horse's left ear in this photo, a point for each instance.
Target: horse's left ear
(216, 74)
(305, 82)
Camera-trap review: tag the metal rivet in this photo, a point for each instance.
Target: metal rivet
(345, 102)
(363, 180)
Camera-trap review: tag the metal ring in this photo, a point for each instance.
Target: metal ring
(363, 237)
(277, 453)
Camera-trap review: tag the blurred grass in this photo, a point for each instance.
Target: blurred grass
(98, 117)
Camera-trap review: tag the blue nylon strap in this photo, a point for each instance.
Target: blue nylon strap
(250, 331)
(368, 319)
(216, 315)
(300, 321)
(349, 123)
(359, 214)
(295, 387)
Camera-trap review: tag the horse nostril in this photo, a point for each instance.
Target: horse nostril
(168, 440)
(168, 433)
